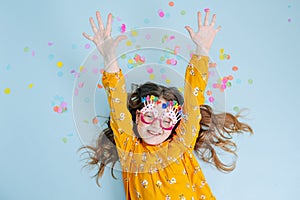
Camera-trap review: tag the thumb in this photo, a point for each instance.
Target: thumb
(190, 30)
(120, 38)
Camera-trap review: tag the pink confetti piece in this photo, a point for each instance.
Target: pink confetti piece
(206, 10)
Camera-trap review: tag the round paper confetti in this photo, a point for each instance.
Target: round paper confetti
(51, 56)
(250, 81)
(161, 13)
(65, 140)
(171, 3)
(59, 64)
(30, 85)
(183, 12)
(128, 43)
(152, 76)
(235, 68)
(87, 46)
(236, 108)
(60, 73)
(7, 91)
(146, 21)
(26, 49)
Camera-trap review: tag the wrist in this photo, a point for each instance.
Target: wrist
(201, 51)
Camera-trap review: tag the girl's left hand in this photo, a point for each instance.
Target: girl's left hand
(205, 35)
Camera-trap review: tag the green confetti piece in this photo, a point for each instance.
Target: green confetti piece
(26, 49)
(236, 108)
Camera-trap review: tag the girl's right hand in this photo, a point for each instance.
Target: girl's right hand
(105, 44)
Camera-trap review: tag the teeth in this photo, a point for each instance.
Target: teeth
(153, 133)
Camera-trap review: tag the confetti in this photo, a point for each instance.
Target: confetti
(50, 57)
(128, 43)
(33, 53)
(235, 68)
(30, 85)
(87, 46)
(7, 91)
(289, 19)
(146, 21)
(59, 64)
(65, 140)
(8, 67)
(148, 36)
(152, 76)
(206, 9)
(150, 70)
(60, 73)
(171, 3)
(95, 57)
(123, 28)
(99, 86)
(134, 33)
(182, 12)
(161, 13)
(211, 99)
(236, 108)
(50, 43)
(171, 61)
(250, 81)
(26, 49)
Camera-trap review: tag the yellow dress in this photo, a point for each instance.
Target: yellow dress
(170, 170)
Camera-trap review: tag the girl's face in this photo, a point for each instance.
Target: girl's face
(153, 126)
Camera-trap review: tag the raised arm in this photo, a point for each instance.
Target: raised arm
(113, 80)
(196, 77)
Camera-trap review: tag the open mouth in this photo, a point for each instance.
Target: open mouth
(153, 133)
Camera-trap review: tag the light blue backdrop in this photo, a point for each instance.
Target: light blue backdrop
(38, 146)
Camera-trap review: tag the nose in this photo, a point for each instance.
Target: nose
(156, 124)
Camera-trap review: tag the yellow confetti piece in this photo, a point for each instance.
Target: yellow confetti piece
(81, 68)
(30, 85)
(168, 81)
(130, 61)
(7, 91)
(222, 51)
(152, 76)
(128, 43)
(134, 33)
(222, 57)
(59, 64)
(180, 89)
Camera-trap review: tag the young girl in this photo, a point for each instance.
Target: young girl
(153, 133)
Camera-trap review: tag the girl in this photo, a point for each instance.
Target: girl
(153, 133)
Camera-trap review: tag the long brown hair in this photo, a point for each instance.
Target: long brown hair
(215, 133)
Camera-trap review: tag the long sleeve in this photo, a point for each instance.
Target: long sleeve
(196, 77)
(120, 117)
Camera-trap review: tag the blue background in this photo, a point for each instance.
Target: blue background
(38, 146)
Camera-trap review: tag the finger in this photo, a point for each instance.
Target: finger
(206, 18)
(93, 25)
(213, 21)
(99, 19)
(199, 20)
(218, 29)
(108, 24)
(120, 38)
(87, 36)
(190, 30)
